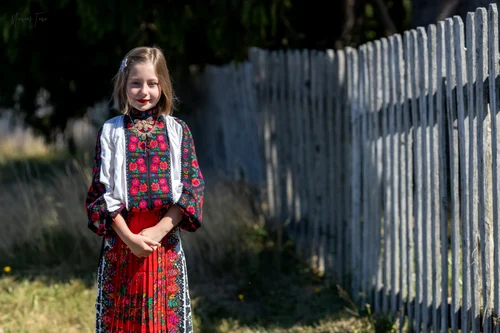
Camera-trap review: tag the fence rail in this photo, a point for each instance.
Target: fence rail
(382, 161)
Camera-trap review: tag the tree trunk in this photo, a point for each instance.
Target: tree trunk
(425, 12)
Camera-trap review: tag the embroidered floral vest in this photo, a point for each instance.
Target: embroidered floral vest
(148, 161)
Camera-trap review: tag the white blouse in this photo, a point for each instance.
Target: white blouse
(114, 170)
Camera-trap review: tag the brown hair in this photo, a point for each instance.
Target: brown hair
(141, 55)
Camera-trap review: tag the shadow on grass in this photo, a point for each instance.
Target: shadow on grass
(62, 259)
(266, 297)
(38, 167)
(253, 293)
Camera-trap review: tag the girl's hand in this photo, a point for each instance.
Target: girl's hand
(155, 233)
(141, 246)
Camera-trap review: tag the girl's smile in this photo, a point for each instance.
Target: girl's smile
(143, 89)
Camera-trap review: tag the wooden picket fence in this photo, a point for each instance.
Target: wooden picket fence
(381, 162)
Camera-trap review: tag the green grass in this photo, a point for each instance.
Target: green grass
(258, 299)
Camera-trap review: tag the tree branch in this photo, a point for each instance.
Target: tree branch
(390, 27)
(350, 19)
(448, 10)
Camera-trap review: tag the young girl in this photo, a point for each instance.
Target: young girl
(146, 186)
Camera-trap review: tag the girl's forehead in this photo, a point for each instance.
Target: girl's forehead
(145, 69)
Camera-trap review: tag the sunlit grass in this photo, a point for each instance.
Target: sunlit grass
(41, 306)
(22, 143)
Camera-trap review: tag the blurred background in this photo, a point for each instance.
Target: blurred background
(57, 61)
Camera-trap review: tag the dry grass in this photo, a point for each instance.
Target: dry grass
(37, 306)
(44, 224)
(22, 143)
(49, 307)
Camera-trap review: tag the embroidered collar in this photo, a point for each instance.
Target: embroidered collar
(136, 114)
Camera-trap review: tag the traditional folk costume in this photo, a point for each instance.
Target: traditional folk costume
(144, 164)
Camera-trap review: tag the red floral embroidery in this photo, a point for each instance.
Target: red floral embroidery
(98, 216)
(193, 183)
(134, 191)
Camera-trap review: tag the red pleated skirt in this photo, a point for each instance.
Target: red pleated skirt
(143, 289)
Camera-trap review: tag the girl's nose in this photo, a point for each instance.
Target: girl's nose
(144, 88)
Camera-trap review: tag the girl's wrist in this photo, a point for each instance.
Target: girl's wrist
(165, 225)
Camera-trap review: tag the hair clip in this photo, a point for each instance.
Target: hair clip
(123, 65)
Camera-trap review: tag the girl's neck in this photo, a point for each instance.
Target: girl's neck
(138, 114)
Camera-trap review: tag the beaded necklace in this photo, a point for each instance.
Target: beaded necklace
(143, 128)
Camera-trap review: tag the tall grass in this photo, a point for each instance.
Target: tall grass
(44, 224)
(22, 143)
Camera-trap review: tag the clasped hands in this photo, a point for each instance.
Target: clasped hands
(145, 242)
(148, 240)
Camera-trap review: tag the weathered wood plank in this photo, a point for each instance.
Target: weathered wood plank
(453, 169)
(341, 121)
(332, 92)
(408, 135)
(366, 220)
(401, 167)
(299, 151)
(493, 100)
(473, 180)
(321, 161)
(346, 170)
(386, 176)
(377, 157)
(483, 166)
(463, 138)
(434, 174)
(417, 158)
(372, 184)
(294, 114)
(425, 173)
(393, 179)
(443, 178)
(306, 141)
(314, 136)
(356, 172)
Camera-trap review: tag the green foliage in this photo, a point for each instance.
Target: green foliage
(72, 48)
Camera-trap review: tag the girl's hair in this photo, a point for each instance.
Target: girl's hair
(141, 55)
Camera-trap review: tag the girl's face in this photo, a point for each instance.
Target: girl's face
(143, 87)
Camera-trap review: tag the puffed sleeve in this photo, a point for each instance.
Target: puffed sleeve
(100, 205)
(191, 199)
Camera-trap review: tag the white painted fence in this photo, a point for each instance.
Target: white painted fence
(381, 161)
